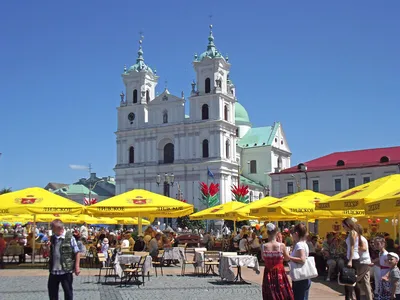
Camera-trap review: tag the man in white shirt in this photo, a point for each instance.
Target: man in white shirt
(84, 233)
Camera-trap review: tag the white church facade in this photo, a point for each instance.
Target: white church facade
(162, 150)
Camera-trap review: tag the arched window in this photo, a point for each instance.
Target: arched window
(205, 148)
(340, 163)
(165, 117)
(147, 96)
(131, 155)
(208, 85)
(253, 167)
(384, 159)
(226, 112)
(169, 153)
(227, 149)
(134, 96)
(279, 162)
(251, 196)
(260, 196)
(204, 112)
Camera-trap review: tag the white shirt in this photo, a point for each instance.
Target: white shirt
(125, 244)
(84, 232)
(301, 246)
(242, 245)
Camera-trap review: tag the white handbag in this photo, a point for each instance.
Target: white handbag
(303, 271)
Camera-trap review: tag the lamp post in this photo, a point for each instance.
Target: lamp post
(168, 180)
(297, 182)
(267, 191)
(303, 168)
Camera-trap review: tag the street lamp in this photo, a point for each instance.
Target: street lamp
(303, 168)
(267, 191)
(91, 188)
(168, 180)
(297, 182)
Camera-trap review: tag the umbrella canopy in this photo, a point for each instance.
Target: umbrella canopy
(140, 203)
(386, 205)
(300, 205)
(244, 212)
(360, 196)
(130, 221)
(37, 201)
(218, 211)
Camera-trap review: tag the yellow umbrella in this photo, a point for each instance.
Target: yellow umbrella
(218, 211)
(92, 220)
(300, 205)
(37, 201)
(359, 196)
(140, 203)
(131, 221)
(389, 204)
(244, 212)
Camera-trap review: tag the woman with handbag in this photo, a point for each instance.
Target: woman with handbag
(299, 255)
(358, 259)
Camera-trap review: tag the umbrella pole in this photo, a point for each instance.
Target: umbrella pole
(34, 239)
(394, 226)
(140, 224)
(234, 226)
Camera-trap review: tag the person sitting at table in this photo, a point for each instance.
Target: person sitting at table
(244, 244)
(28, 247)
(166, 243)
(131, 241)
(153, 245)
(125, 241)
(140, 245)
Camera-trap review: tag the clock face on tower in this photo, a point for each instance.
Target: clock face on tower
(131, 116)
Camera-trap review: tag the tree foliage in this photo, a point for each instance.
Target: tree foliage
(190, 224)
(5, 191)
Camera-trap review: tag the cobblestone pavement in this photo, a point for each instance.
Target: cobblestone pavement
(166, 287)
(31, 284)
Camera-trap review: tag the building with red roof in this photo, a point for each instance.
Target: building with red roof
(337, 171)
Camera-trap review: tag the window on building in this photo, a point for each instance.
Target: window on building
(338, 184)
(165, 117)
(279, 162)
(204, 112)
(290, 189)
(131, 155)
(147, 96)
(260, 196)
(169, 153)
(253, 167)
(134, 96)
(237, 132)
(227, 149)
(352, 183)
(205, 148)
(207, 85)
(226, 112)
(251, 196)
(315, 185)
(366, 179)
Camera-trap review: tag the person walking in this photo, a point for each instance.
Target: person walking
(276, 285)
(299, 255)
(358, 259)
(64, 260)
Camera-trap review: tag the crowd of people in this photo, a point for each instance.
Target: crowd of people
(374, 258)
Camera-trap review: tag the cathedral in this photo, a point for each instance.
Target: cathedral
(162, 150)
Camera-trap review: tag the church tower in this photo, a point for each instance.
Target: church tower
(213, 99)
(140, 83)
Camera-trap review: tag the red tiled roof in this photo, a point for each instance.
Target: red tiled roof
(352, 159)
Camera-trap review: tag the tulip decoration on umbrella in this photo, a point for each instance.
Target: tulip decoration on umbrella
(209, 194)
(241, 193)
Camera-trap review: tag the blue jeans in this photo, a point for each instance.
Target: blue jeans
(301, 289)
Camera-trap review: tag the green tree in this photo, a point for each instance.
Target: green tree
(5, 191)
(190, 224)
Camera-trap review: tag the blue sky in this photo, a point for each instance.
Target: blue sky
(328, 70)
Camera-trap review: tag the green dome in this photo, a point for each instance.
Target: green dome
(241, 115)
